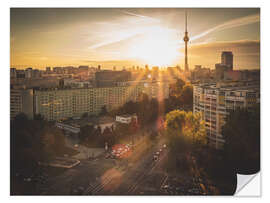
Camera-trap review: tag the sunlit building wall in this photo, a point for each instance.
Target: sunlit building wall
(215, 101)
(57, 104)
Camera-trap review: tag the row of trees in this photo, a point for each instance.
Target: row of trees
(94, 137)
(186, 135)
(181, 96)
(242, 135)
(33, 141)
(146, 109)
(187, 127)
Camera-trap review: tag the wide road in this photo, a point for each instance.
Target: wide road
(130, 181)
(104, 176)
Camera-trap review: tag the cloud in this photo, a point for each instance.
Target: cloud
(246, 53)
(230, 24)
(122, 37)
(118, 30)
(251, 45)
(141, 16)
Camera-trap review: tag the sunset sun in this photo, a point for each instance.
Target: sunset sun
(157, 48)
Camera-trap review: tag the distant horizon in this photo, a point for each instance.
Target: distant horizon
(120, 68)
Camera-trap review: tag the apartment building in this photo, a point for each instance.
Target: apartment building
(21, 101)
(57, 104)
(216, 100)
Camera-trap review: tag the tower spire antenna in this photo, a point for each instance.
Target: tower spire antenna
(186, 39)
(186, 20)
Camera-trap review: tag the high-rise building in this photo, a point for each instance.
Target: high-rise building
(58, 70)
(28, 73)
(227, 59)
(220, 70)
(36, 73)
(215, 101)
(186, 39)
(13, 73)
(48, 69)
(83, 69)
(201, 73)
(21, 101)
(225, 65)
(20, 74)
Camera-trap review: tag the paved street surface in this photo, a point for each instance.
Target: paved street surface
(101, 176)
(139, 174)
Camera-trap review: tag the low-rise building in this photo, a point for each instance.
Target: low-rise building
(125, 118)
(67, 127)
(105, 122)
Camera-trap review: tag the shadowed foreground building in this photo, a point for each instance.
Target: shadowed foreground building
(21, 101)
(215, 101)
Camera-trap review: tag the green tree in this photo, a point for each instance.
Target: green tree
(187, 95)
(108, 136)
(242, 139)
(103, 111)
(185, 127)
(153, 110)
(59, 141)
(185, 134)
(176, 88)
(130, 107)
(86, 132)
(144, 109)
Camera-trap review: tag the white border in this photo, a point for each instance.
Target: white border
(265, 98)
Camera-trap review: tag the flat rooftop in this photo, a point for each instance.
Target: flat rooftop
(232, 86)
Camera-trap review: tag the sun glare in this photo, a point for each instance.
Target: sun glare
(157, 48)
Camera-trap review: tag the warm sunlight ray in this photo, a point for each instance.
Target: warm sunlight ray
(157, 48)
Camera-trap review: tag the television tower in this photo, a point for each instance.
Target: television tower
(186, 39)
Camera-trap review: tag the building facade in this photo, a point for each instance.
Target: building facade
(214, 102)
(57, 104)
(21, 101)
(125, 118)
(227, 59)
(108, 78)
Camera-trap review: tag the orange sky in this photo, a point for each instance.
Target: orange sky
(127, 37)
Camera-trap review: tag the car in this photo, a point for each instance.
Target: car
(27, 179)
(157, 153)
(165, 187)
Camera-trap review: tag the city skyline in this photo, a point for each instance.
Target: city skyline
(127, 37)
(177, 114)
